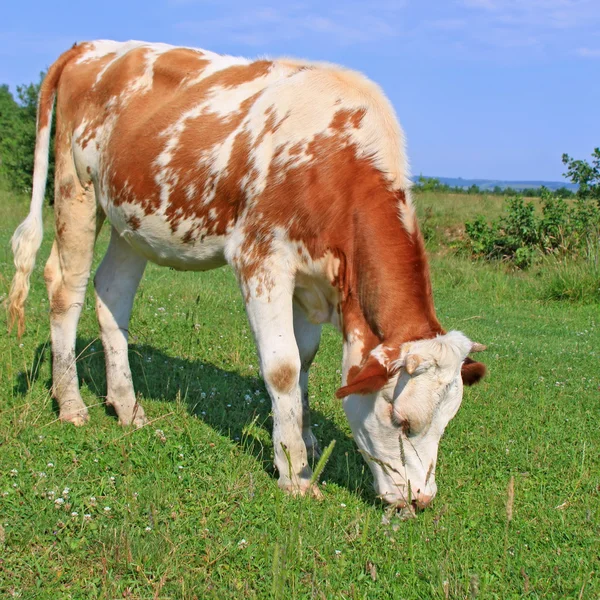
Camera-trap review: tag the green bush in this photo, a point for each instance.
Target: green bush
(481, 237)
(521, 235)
(573, 280)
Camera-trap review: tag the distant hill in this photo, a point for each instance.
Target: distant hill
(490, 184)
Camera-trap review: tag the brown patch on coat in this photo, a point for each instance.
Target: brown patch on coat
(174, 67)
(283, 378)
(346, 117)
(49, 273)
(238, 74)
(201, 135)
(367, 379)
(401, 197)
(66, 188)
(58, 302)
(134, 222)
(50, 83)
(295, 149)
(61, 227)
(270, 127)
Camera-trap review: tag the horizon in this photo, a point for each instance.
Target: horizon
(484, 89)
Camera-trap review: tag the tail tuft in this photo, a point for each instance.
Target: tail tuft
(26, 242)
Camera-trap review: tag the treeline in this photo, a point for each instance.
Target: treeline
(17, 138)
(432, 184)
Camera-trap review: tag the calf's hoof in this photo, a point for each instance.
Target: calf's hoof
(77, 418)
(129, 415)
(137, 420)
(302, 490)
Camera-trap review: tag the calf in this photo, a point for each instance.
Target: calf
(294, 174)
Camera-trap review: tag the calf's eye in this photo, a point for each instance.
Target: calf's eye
(400, 422)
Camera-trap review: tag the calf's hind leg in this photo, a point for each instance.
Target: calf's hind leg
(116, 283)
(66, 273)
(308, 336)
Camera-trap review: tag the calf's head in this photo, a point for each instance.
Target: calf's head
(399, 401)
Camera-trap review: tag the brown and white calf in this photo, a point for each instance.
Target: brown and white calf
(295, 175)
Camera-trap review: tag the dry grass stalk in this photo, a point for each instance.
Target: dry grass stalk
(510, 498)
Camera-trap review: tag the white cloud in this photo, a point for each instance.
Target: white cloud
(551, 27)
(357, 23)
(588, 52)
(448, 24)
(485, 4)
(538, 14)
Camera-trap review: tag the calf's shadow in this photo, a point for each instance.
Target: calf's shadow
(235, 406)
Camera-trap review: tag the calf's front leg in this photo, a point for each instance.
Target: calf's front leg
(271, 318)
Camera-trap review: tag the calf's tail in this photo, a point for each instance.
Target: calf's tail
(27, 239)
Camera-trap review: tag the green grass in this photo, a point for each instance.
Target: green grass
(195, 511)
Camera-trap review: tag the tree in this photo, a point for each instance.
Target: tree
(584, 174)
(17, 137)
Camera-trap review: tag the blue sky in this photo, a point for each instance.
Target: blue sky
(496, 89)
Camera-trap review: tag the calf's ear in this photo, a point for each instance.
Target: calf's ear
(472, 371)
(367, 379)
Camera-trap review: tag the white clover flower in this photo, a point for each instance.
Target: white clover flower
(50, 465)
(338, 552)
(74, 513)
(248, 398)
(14, 472)
(202, 395)
(343, 505)
(66, 492)
(41, 474)
(59, 501)
(87, 517)
(107, 509)
(148, 528)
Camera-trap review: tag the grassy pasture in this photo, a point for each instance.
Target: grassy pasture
(188, 507)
